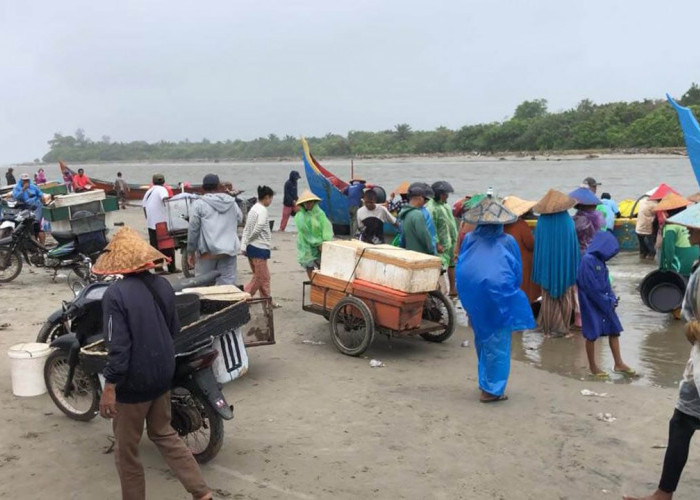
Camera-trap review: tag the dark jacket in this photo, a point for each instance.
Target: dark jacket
(10, 178)
(595, 295)
(141, 358)
(290, 189)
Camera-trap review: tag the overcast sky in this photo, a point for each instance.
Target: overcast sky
(239, 69)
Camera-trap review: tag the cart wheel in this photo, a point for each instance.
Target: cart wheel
(351, 326)
(439, 309)
(186, 269)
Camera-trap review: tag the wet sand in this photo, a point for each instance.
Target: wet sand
(312, 423)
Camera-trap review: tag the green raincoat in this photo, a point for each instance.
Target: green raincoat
(677, 254)
(446, 228)
(313, 229)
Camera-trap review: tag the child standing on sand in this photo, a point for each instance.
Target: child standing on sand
(598, 302)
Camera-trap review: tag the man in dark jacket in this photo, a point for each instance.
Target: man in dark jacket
(140, 319)
(10, 177)
(290, 198)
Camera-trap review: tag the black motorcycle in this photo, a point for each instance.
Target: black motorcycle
(73, 370)
(72, 251)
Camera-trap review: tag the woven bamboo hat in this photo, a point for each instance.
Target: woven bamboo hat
(554, 202)
(690, 217)
(489, 211)
(127, 253)
(672, 201)
(402, 188)
(517, 205)
(307, 196)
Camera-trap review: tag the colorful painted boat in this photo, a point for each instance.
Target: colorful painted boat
(329, 188)
(136, 191)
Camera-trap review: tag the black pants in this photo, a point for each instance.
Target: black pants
(646, 245)
(168, 252)
(680, 431)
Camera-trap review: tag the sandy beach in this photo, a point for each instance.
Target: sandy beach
(311, 423)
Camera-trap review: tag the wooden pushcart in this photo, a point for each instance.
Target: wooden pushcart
(357, 310)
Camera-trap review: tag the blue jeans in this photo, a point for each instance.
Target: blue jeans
(227, 265)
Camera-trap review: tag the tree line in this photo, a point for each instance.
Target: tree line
(646, 124)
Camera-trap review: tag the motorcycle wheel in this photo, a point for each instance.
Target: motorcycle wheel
(198, 424)
(50, 331)
(10, 265)
(84, 403)
(186, 269)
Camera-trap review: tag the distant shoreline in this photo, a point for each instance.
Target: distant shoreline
(497, 156)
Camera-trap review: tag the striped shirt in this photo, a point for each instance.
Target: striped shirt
(257, 229)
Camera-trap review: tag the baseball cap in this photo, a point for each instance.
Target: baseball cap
(158, 178)
(590, 182)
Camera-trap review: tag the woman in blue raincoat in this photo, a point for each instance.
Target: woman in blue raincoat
(488, 276)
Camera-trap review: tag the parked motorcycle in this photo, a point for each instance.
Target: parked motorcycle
(73, 251)
(74, 381)
(10, 209)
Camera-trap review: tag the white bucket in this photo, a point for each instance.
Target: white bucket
(27, 368)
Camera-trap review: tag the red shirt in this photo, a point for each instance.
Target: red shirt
(80, 181)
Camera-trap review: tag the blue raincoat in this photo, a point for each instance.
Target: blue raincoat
(595, 295)
(488, 276)
(557, 256)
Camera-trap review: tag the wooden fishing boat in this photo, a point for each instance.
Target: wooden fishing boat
(137, 191)
(329, 188)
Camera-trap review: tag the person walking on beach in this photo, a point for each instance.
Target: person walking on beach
(598, 303)
(645, 228)
(488, 277)
(354, 193)
(256, 242)
(555, 262)
(290, 198)
(371, 219)
(10, 177)
(140, 320)
(445, 229)
(122, 188)
(417, 229)
(313, 228)
(686, 416)
(82, 182)
(154, 209)
(212, 241)
(587, 220)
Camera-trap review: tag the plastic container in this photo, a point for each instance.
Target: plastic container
(400, 269)
(27, 368)
(326, 291)
(339, 258)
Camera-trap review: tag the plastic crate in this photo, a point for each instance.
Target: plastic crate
(110, 204)
(53, 214)
(55, 190)
(92, 243)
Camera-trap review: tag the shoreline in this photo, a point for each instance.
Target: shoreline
(592, 154)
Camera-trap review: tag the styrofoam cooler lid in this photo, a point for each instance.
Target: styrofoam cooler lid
(29, 350)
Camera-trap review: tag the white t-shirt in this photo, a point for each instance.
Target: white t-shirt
(380, 212)
(154, 206)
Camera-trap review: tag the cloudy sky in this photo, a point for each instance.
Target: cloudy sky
(228, 69)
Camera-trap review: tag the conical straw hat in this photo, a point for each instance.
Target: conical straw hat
(553, 202)
(690, 217)
(518, 206)
(670, 202)
(402, 188)
(127, 253)
(489, 211)
(307, 196)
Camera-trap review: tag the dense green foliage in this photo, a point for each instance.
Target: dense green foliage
(617, 125)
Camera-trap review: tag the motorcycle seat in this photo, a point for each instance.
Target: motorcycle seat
(63, 237)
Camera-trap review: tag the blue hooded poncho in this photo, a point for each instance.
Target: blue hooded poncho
(557, 256)
(488, 276)
(595, 295)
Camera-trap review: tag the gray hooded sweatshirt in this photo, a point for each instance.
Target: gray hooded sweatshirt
(214, 220)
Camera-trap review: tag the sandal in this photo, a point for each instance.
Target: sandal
(494, 399)
(629, 372)
(601, 375)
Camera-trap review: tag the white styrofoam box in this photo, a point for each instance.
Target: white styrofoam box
(400, 269)
(338, 258)
(177, 210)
(67, 200)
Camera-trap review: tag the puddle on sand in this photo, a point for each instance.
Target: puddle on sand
(652, 343)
